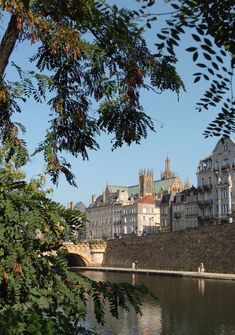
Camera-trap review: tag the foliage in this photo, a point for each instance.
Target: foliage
(87, 51)
(38, 294)
(211, 26)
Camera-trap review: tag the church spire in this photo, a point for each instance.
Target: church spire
(167, 167)
(167, 173)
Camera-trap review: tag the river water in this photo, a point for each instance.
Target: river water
(185, 307)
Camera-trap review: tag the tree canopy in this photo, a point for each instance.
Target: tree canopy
(90, 51)
(86, 51)
(38, 293)
(211, 26)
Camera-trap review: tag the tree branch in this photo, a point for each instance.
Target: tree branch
(7, 44)
(158, 14)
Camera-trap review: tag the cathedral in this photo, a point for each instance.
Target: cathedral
(124, 210)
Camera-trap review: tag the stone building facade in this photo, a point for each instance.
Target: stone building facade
(216, 184)
(212, 202)
(185, 210)
(125, 210)
(118, 216)
(166, 211)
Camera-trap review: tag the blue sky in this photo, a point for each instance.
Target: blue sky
(178, 133)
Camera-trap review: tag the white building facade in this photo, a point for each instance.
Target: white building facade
(216, 185)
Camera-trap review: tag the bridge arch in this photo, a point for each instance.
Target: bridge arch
(85, 254)
(77, 258)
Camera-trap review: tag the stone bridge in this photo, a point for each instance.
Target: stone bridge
(86, 253)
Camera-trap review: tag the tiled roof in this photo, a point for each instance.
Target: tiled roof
(115, 188)
(147, 199)
(133, 190)
(159, 186)
(163, 184)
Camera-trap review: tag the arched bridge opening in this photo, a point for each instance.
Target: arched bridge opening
(75, 260)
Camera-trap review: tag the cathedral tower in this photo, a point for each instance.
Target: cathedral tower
(146, 183)
(167, 173)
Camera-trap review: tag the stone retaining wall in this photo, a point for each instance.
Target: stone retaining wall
(182, 250)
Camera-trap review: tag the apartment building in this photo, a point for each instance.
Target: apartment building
(216, 181)
(166, 211)
(185, 209)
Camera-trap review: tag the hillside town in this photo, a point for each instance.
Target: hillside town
(166, 204)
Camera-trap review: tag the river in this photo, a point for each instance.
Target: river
(185, 307)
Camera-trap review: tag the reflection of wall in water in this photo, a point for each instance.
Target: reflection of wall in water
(183, 307)
(128, 323)
(196, 308)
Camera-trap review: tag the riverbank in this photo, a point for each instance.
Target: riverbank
(190, 274)
(177, 251)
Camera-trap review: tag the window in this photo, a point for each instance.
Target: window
(144, 218)
(148, 188)
(226, 162)
(209, 181)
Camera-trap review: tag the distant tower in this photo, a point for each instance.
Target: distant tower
(146, 183)
(167, 168)
(187, 184)
(167, 173)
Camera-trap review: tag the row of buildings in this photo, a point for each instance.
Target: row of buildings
(167, 204)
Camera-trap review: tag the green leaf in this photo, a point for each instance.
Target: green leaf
(197, 79)
(196, 38)
(195, 56)
(161, 37)
(191, 49)
(201, 65)
(215, 65)
(219, 59)
(207, 41)
(208, 49)
(208, 57)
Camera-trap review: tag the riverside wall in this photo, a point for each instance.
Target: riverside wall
(182, 250)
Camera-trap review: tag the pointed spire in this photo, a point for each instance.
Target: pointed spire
(167, 167)
(187, 184)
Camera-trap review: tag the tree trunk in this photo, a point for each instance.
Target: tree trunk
(7, 44)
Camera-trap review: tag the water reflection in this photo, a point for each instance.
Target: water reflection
(186, 307)
(133, 279)
(201, 286)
